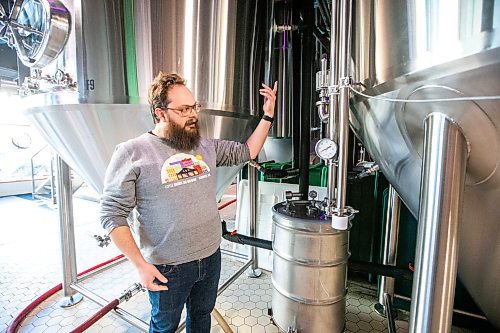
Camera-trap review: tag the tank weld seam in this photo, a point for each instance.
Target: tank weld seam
(308, 301)
(308, 231)
(311, 263)
(432, 100)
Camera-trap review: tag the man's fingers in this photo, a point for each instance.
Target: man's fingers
(267, 90)
(268, 95)
(160, 277)
(274, 89)
(149, 274)
(156, 287)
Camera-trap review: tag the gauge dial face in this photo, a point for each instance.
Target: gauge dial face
(326, 149)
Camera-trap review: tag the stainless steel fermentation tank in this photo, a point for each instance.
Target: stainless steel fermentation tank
(217, 46)
(421, 50)
(401, 49)
(309, 269)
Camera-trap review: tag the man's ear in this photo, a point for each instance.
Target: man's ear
(160, 114)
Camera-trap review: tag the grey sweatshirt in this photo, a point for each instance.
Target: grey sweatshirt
(174, 193)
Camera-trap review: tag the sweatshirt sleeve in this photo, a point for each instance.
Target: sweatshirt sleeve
(118, 197)
(231, 153)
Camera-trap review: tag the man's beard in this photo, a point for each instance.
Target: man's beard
(182, 138)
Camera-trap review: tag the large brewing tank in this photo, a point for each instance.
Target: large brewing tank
(309, 269)
(439, 49)
(116, 50)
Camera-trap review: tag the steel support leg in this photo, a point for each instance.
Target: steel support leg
(67, 233)
(390, 248)
(441, 195)
(253, 192)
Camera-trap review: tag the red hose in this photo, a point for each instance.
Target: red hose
(20, 317)
(98, 315)
(104, 263)
(224, 205)
(30, 307)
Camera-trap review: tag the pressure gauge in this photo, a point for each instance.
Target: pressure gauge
(326, 149)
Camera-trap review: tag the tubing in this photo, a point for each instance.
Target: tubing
(121, 313)
(12, 328)
(333, 102)
(222, 322)
(98, 315)
(343, 120)
(357, 266)
(307, 62)
(224, 205)
(245, 240)
(379, 269)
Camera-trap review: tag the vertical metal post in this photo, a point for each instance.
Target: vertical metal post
(284, 100)
(306, 79)
(441, 195)
(339, 218)
(391, 324)
(253, 192)
(390, 248)
(67, 233)
(52, 185)
(333, 99)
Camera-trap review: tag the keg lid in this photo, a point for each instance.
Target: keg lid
(304, 215)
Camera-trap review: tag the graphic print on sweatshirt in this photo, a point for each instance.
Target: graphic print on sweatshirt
(180, 169)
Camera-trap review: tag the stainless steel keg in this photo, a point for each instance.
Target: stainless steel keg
(309, 270)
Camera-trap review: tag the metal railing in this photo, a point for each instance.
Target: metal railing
(34, 188)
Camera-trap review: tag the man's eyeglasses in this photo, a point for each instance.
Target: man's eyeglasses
(186, 110)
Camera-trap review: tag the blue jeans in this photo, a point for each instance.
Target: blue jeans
(193, 283)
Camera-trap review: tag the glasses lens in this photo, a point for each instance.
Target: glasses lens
(188, 109)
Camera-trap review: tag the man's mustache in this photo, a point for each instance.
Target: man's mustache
(191, 122)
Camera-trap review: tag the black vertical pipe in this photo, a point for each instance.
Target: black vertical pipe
(307, 66)
(296, 126)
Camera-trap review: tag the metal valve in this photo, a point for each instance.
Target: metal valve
(102, 241)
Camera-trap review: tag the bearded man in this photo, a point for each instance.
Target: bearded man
(162, 173)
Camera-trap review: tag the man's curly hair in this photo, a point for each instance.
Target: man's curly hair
(158, 91)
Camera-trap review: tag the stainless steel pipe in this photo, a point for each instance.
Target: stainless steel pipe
(441, 194)
(390, 248)
(253, 192)
(67, 232)
(123, 314)
(340, 218)
(333, 99)
(344, 58)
